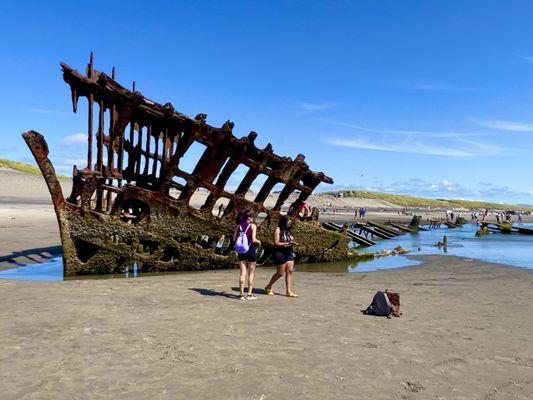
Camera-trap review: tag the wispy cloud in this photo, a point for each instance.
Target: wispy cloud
(37, 110)
(529, 59)
(501, 125)
(440, 88)
(316, 106)
(432, 134)
(448, 144)
(75, 139)
(409, 148)
(435, 87)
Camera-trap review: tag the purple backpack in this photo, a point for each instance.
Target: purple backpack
(242, 245)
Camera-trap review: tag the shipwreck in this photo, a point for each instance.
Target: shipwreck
(132, 201)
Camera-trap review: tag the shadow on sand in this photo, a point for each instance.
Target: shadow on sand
(209, 292)
(39, 254)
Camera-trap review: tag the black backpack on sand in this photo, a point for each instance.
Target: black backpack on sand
(380, 306)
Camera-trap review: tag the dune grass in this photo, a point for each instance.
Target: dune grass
(419, 202)
(23, 167)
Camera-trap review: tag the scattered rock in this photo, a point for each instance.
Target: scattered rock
(414, 387)
(397, 250)
(401, 250)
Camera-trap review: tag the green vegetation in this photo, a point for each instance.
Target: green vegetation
(22, 167)
(419, 202)
(18, 166)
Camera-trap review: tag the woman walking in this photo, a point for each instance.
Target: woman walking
(284, 255)
(246, 230)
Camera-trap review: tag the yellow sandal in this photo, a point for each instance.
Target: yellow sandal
(269, 292)
(293, 295)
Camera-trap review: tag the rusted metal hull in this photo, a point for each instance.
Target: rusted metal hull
(132, 203)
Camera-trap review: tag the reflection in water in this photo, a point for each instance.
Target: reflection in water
(515, 250)
(135, 270)
(376, 264)
(51, 270)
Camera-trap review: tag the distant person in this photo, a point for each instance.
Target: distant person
(356, 212)
(219, 247)
(220, 210)
(283, 256)
(363, 212)
(247, 227)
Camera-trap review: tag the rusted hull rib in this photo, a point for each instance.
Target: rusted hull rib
(132, 202)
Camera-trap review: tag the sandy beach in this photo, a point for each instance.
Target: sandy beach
(465, 333)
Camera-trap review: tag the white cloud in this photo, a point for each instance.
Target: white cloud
(315, 106)
(456, 144)
(75, 139)
(529, 59)
(446, 189)
(501, 125)
(37, 110)
(434, 134)
(405, 147)
(434, 87)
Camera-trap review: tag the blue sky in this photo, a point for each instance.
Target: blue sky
(426, 98)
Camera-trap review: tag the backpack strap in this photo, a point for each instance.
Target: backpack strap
(246, 230)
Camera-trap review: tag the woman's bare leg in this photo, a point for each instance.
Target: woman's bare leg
(278, 274)
(251, 273)
(242, 277)
(289, 267)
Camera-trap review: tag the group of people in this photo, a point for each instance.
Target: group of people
(507, 218)
(452, 215)
(360, 212)
(246, 247)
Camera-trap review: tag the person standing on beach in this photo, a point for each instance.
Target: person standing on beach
(246, 225)
(284, 256)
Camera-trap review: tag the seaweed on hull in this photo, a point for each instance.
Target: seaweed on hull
(132, 201)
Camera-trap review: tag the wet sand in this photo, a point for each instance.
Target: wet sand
(465, 333)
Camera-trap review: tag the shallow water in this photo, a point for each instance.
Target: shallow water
(514, 250)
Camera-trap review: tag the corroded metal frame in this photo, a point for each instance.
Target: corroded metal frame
(132, 201)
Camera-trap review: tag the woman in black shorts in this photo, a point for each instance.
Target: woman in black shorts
(284, 255)
(247, 261)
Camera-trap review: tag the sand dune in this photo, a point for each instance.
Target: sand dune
(31, 189)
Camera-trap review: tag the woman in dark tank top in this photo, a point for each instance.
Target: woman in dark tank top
(283, 256)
